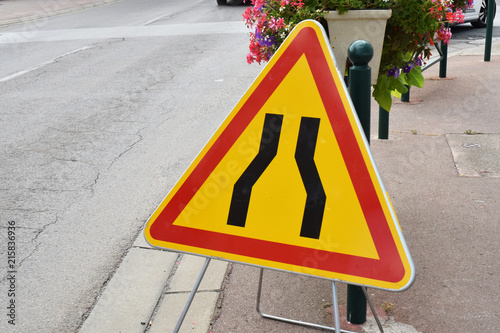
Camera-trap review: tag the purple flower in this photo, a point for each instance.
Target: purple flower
(418, 61)
(264, 40)
(409, 66)
(394, 72)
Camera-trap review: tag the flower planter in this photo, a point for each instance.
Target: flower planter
(357, 24)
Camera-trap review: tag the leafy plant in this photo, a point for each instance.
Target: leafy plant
(415, 25)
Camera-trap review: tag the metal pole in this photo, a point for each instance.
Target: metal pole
(444, 61)
(383, 123)
(489, 29)
(336, 315)
(375, 315)
(191, 296)
(406, 96)
(360, 53)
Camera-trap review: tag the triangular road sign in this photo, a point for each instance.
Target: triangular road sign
(288, 181)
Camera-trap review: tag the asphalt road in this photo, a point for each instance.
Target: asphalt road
(101, 111)
(467, 32)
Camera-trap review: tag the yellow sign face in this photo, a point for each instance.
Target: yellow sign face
(288, 181)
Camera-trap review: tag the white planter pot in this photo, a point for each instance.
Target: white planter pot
(357, 24)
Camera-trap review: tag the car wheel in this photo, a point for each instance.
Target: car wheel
(483, 15)
(221, 2)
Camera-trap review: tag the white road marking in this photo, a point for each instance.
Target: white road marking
(24, 71)
(209, 28)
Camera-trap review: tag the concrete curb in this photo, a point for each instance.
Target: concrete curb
(149, 290)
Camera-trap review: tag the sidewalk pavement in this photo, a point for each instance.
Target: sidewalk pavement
(443, 184)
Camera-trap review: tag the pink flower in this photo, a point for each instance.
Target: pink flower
(458, 17)
(298, 3)
(280, 23)
(258, 52)
(276, 24)
(272, 24)
(258, 3)
(444, 35)
(248, 17)
(249, 58)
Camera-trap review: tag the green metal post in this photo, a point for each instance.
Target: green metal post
(406, 96)
(356, 305)
(444, 62)
(489, 29)
(383, 123)
(360, 53)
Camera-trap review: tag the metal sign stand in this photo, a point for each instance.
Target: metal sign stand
(191, 296)
(335, 310)
(268, 316)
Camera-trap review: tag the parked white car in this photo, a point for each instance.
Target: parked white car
(478, 13)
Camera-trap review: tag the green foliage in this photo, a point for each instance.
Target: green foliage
(410, 32)
(382, 93)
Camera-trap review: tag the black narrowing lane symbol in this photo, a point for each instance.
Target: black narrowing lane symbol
(243, 187)
(316, 198)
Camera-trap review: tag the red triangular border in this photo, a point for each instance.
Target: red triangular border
(388, 268)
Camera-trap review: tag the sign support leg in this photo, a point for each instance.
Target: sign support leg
(299, 322)
(336, 315)
(375, 315)
(191, 296)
